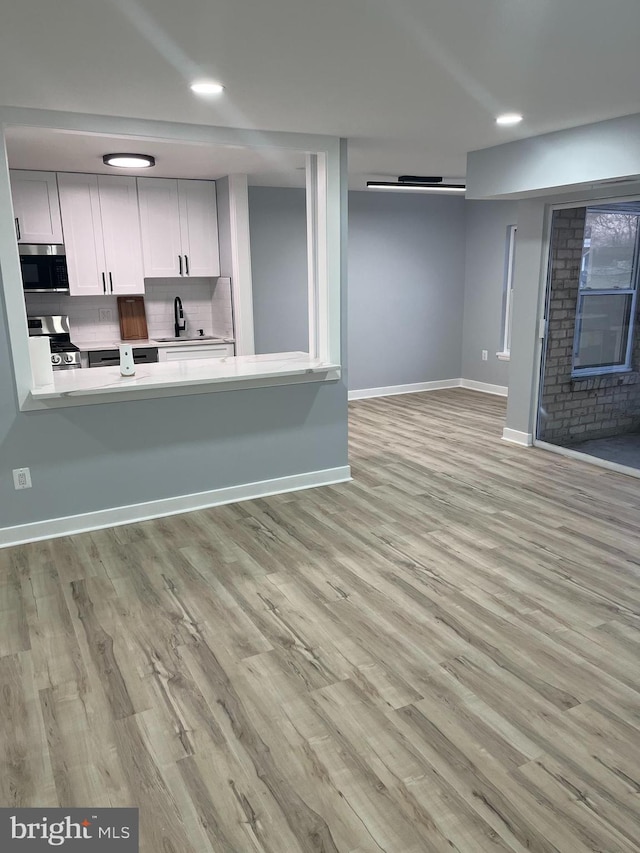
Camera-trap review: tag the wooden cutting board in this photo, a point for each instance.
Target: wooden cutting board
(133, 319)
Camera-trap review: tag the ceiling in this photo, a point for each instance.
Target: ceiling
(414, 84)
(64, 151)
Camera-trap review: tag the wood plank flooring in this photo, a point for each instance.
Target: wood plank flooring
(442, 655)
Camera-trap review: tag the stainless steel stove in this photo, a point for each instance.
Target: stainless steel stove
(64, 354)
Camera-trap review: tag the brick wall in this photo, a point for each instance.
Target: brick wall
(576, 410)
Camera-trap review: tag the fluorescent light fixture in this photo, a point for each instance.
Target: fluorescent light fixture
(207, 87)
(129, 161)
(406, 186)
(509, 119)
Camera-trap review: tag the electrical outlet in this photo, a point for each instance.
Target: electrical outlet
(485, 354)
(106, 315)
(22, 478)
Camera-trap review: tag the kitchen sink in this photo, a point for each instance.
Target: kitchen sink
(187, 340)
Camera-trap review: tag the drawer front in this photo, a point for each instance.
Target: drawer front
(189, 353)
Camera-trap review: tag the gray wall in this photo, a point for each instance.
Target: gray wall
(414, 313)
(278, 230)
(554, 162)
(406, 287)
(487, 224)
(95, 457)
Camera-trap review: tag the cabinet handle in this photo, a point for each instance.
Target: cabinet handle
(104, 283)
(180, 262)
(19, 235)
(186, 263)
(110, 282)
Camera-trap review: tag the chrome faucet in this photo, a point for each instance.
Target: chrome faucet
(178, 315)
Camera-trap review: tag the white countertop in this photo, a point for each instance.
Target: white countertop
(90, 346)
(180, 374)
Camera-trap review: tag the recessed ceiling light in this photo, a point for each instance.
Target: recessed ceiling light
(509, 119)
(129, 161)
(207, 87)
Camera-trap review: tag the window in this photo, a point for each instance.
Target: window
(507, 302)
(607, 293)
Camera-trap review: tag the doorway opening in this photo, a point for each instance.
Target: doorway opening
(589, 398)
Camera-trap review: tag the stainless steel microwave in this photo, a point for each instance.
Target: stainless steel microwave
(44, 268)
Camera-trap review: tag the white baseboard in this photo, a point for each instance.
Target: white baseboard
(516, 437)
(588, 458)
(414, 388)
(54, 527)
(437, 385)
(485, 387)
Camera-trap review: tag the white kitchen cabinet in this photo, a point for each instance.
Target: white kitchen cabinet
(160, 226)
(102, 234)
(193, 351)
(36, 207)
(121, 232)
(199, 228)
(80, 207)
(179, 224)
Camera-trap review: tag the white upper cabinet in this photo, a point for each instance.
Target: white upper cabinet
(179, 223)
(121, 232)
(160, 223)
(199, 227)
(102, 234)
(36, 207)
(80, 206)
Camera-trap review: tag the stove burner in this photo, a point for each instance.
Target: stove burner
(64, 354)
(62, 345)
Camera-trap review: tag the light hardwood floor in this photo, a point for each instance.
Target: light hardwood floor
(442, 655)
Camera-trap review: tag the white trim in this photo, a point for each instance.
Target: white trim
(311, 173)
(437, 385)
(485, 387)
(588, 458)
(414, 388)
(514, 436)
(508, 302)
(503, 356)
(241, 281)
(116, 516)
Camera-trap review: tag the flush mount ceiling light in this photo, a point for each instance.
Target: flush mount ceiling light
(509, 119)
(207, 87)
(416, 183)
(129, 161)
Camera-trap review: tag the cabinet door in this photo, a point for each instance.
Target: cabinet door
(199, 228)
(160, 226)
(121, 233)
(80, 208)
(36, 207)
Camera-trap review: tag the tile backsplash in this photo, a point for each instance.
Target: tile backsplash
(196, 296)
(206, 305)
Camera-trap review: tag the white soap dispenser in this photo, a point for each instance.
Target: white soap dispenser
(127, 364)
